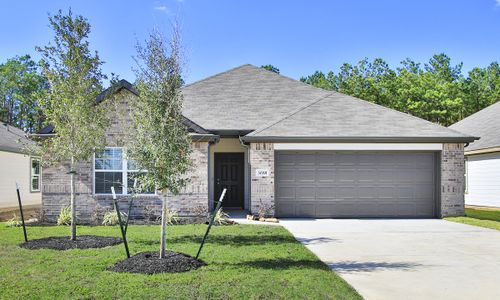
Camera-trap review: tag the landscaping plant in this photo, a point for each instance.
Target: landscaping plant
(160, 142)
(64, 217)
(111, 218)
(74, 75)
(15, 221)
(221, 218)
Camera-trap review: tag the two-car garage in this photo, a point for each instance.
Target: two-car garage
(350, 184)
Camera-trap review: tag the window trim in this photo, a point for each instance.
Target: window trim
(35, 158)
(124, 172)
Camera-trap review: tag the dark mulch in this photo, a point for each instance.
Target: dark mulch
(65, 243)
(150, 263)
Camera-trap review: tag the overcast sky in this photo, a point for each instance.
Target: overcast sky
(298, 37)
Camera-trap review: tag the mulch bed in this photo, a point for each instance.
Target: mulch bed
(65, 243)
(150, 263)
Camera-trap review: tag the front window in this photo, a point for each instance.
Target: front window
(111, 168)
(35, 172)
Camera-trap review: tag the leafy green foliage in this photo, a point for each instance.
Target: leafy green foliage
(159, 140)
(436, 91)
(21, 87)
(172, 217)
(15, 221)
(111, 218)
(75, 80)
(221, 218)
(271, 68)
(64, 217)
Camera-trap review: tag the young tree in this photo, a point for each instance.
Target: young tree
(160, 142)
(75, 80)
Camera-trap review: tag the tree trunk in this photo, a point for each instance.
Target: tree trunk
(72, 197)
(163, 242)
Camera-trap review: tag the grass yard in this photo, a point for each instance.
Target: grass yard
(244, 262)
(483, 217)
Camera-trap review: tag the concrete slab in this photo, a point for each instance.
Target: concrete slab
(406, 259)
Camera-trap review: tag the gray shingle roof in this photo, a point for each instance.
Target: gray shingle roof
(341, 117)
(485, 124)
(13, 139)
(245, 98)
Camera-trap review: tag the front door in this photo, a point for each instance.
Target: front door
(229, 174)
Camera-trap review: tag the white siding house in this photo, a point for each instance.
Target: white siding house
(17, 166)
(482, 157)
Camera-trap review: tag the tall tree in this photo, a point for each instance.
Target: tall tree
(21, 87)
(160, 142)
(75, 78)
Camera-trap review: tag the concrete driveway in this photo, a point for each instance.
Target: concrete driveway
(406, 259)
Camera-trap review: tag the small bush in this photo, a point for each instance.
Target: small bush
(64, 216)
(172, 216)
(221, 218)
(14, 222)
(111, 218)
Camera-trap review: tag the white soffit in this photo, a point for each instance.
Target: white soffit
(359, 146)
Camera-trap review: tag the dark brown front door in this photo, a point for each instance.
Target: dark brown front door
(229, 174)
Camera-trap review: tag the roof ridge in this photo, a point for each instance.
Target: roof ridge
(215, 75)
(406, 114)
(294, 112)
(486, 109)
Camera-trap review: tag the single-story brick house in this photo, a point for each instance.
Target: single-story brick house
(293, 149)
(482, 157)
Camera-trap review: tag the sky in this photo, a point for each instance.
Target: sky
(298, 37)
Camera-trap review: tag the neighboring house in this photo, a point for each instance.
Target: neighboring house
(482, 156)
(16, 165)
(286, 148)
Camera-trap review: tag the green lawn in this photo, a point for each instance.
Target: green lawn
(244, 262)
(480, 217)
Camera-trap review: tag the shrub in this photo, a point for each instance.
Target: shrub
(111, 218)
(221, 218)
(14, 222)
(64, 216)
(172, 216)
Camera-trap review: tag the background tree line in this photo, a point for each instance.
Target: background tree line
(436, 91)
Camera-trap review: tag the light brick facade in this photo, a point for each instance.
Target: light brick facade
(262, 188)
(192, 200)
(452, 180)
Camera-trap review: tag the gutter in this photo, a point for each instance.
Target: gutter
(319, 139)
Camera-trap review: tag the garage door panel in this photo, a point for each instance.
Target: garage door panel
(355, 184)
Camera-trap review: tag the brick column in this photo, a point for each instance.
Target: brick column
(452, 180)
(262, 188)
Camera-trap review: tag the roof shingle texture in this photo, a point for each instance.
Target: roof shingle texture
(484, 124)
(13, 139)
(252, 98)
(245, 98)
(339, 115)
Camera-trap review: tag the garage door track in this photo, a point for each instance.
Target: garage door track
(406, 259)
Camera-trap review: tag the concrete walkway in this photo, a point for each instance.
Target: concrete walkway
(406, 259)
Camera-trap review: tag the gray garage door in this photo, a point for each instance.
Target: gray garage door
(355, 184)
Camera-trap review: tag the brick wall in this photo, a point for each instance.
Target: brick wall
(262, 188)
(56, 182)
(452, 180)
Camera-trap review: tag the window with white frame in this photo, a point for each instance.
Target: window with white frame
(35, 174)
(111, 168)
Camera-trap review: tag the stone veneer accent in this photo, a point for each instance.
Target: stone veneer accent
(262, 188)
(192, 200)
(452, 180)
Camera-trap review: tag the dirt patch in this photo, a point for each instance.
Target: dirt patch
(150, 263)
(65, 243)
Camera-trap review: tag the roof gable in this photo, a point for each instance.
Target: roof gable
(485, 124)
(245, 98)
(340, 116)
